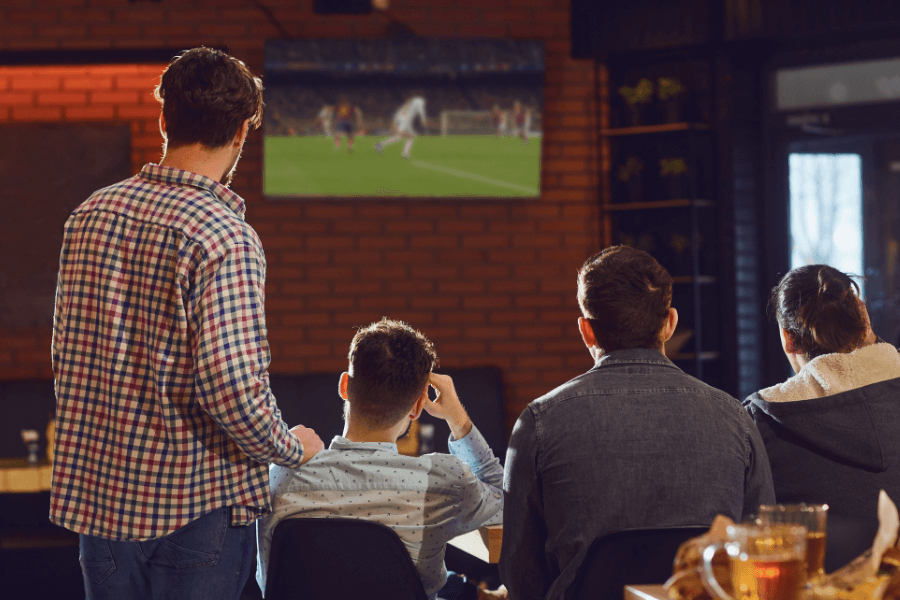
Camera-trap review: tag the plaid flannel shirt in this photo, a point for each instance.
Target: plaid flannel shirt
(164, 411)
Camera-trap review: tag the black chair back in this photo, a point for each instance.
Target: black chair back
(340, 559)
(848, 537)
(630, 556)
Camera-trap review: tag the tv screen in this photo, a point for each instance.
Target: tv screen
(406, 117)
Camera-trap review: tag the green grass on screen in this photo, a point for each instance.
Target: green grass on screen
(478, 166)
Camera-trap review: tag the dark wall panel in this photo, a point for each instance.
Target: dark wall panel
(47, 171)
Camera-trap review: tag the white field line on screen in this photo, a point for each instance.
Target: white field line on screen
(481, 178)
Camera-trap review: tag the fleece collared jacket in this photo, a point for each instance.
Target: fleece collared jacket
(832, 432)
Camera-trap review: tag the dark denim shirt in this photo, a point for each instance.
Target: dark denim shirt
(634, 442)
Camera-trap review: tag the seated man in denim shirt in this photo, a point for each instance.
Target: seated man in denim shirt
(634, 442)
(427, 500)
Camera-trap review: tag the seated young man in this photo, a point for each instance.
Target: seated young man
(385, 389)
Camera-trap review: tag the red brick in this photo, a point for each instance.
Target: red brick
(324, 242)
(439, 272)
(357, 257)
(408, 257)
(512, 256)
(408, 226)
(413, 287)
(485, 271)
(384, 272)
(64, 98)
(432, 241)
(443, 302)
(16, 98)
(482, 211)
(449, 348)
(525, 301)
(61, 31)
(375, 242)
(331, 303)
(461, 287)
(462, 316)
(384, 211)
(357, 287)
(516, 286)
(16, 31)
(433, 211)
(514, 347)
(221, 30)
(330, 273)
(487, 302)
(509, 16)
(26, 82)
(305, 257)
(31, 16)
(384, 303)
(358, 226)
(138, 112)
(302, 226)
(486, 241)
(116, 97)
(330, 211)
(514, 316)
(27, 113)
(146, 14)
(305, 288)
(74, 113)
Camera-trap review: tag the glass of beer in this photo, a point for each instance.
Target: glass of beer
(767, 562)
(812, 516)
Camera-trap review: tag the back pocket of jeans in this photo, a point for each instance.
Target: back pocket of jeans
(199, 543)
(95, 558)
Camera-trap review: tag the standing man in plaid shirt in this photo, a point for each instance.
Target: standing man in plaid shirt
(165, 420)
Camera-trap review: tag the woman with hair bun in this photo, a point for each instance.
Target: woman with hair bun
(832, 431)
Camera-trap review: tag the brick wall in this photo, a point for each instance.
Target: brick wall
(491, 282)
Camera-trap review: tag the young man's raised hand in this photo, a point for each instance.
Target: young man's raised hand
(447, 406)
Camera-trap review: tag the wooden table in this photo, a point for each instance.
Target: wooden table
(483, 543)
(17, 476)
(645, 592)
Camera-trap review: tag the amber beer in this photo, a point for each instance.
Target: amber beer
(763, 578)
(812, 516)
(768, 562)
(815, 553)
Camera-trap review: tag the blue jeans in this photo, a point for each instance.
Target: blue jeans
(207, 559)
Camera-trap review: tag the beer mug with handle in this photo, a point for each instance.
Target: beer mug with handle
(767, 562)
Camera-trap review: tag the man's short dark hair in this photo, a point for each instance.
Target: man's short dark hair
(389, 367)
(206, 95)
(625, 295)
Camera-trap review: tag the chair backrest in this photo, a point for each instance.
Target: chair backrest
(848, 537)
(340, 559)
(630, 556)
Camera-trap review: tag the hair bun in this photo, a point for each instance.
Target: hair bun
(831, 287)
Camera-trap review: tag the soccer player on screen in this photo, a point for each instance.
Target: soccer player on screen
(522, 118)
(324, 119)
(402, 126)
(345, 113)
(498, 120)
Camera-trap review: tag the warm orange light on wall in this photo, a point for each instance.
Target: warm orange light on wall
(118, 93)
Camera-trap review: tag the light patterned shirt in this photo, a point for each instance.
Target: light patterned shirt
(164, 411)
(428, 500)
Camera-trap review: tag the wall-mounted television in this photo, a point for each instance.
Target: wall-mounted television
(419, 117)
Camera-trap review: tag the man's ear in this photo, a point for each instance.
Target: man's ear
(587, 333)
(671, 324)
(342, 386)
(242, 133)
(417, 408)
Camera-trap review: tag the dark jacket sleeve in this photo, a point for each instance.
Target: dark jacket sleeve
(758, 488)
(523, 565)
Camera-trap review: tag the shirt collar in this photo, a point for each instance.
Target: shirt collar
(172, 176)
(341, 443)
(634, 356)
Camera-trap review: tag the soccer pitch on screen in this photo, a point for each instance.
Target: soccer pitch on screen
(481, 166)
